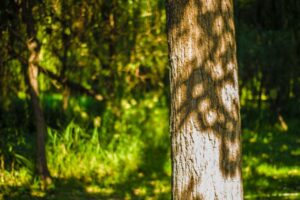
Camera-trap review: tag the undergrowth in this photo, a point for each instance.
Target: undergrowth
(124, 154)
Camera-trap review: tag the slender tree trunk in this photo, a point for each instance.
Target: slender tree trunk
(205, 119)
(41, 130)
(37, 109)
(260, 92)
(64, 58)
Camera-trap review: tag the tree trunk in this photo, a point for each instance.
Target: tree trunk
(41, 130)
(205, 118)
(40, 124)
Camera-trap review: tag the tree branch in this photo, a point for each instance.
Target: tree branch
(62, 80)
(72, 85)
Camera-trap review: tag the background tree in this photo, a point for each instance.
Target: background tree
(33, 46)
(205, 119)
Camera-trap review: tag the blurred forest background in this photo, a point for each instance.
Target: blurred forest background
(104, 90)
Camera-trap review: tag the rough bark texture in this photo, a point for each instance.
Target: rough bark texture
(205, 119)
(40, 124)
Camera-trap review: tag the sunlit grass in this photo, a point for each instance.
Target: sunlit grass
(278, 172)
(133, 161)
(270, 164)
(15, 178)
(125, 160)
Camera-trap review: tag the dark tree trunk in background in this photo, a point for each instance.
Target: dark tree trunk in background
(66, 41)
(205, 118)
(40, 124)
(33, 46)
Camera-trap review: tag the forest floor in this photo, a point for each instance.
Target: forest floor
(271, 170)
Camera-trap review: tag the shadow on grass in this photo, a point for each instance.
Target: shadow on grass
(65, 189)
(151, 181)
(134, 187)
(271, 163)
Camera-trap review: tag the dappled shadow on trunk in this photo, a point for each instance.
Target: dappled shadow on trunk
(204, 85)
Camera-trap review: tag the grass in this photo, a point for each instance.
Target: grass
(92, 163)
(271, 162)
(132, 162)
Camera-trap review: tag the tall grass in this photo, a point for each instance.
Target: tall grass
(110, 157)
(125, 146)
(75, 153)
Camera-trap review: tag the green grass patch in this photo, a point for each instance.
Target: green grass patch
(125, 154)
(271, 163)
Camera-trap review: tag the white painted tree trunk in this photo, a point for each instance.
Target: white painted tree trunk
(205, 119)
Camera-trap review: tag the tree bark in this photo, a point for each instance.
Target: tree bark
(205, 118)
(40, 124)
(33, 46)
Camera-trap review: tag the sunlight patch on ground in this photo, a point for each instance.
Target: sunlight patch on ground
(14, 178)
(96, 189)
(290, 196)
(38, 193)
(276, 172)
